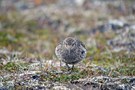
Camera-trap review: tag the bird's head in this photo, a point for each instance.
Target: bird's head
(69, 42)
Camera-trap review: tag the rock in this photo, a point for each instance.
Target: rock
(60, 88)
(35, 77)
(3, 88)
(124, 41)
(106, 83)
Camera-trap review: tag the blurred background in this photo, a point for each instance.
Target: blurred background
(36, 26)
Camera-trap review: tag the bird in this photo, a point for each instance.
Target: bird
(70, 51)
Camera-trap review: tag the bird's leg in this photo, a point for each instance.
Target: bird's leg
(60, 63)
(72, 67)
(68, 66)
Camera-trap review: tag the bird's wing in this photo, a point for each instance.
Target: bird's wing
(58, 50)
(80, 43)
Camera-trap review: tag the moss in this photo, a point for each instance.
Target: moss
(14, 67)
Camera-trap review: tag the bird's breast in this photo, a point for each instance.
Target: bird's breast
(69, 54)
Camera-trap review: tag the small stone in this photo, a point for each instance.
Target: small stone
(35, 77)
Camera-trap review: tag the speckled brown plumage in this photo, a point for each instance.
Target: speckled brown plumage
(71, 51)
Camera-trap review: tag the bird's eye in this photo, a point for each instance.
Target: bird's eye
(82, 52)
